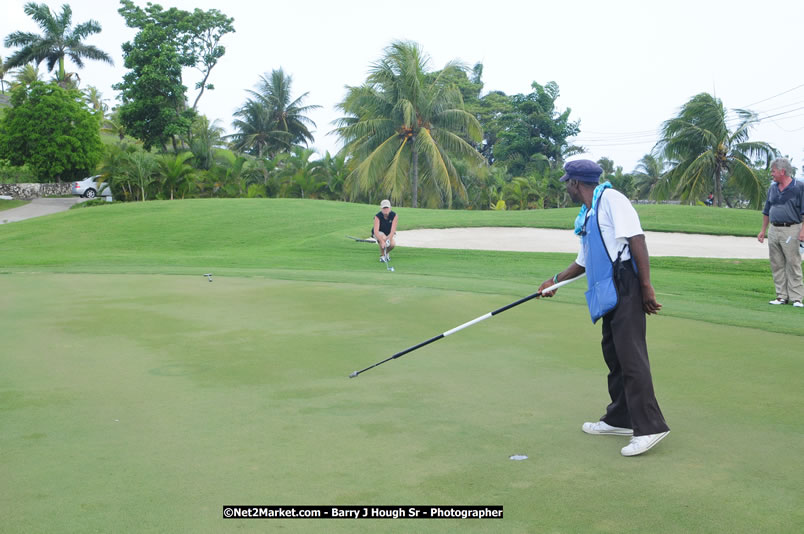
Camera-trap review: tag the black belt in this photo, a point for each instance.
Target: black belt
(785, 224)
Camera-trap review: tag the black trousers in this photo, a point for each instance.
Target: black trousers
(633, 402)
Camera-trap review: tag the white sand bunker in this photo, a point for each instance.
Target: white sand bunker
(542, 240)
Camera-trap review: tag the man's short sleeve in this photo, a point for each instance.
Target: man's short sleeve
(800, 196)
(580, 259)
(622, 215)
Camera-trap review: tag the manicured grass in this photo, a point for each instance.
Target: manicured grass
(148, 401)
(137, 396)
(8, 204)
(299, 239)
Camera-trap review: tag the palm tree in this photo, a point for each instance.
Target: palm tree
(650, 177)
(60, 39)
(404, 114)
(298, 176)
(94, 100)
(256, 133)
(708, 152)
(206, 138)
(518, 192)
(26, 75)
(114, 125)
(174, 173)
(231, 175)
(271, 121)
(140, 170)
(336, 170)
(3, 71)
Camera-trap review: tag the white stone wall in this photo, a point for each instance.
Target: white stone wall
(32, 191)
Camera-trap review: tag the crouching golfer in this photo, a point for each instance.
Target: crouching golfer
(615, 258)
(384, 229)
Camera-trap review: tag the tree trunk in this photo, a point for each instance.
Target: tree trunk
(61, 69)
(203, 86)
(718, 189)
(415, 162)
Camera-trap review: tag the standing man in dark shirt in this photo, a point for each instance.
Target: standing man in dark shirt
(384, 229)
(783, 209)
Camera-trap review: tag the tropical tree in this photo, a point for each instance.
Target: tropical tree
(140, 171)
(298, 176)
(531, 130)
(649, 177)
(336, 170)
(64, 149)
(114, 125)
(272, 121)
(3, 72)
(174, 173)
(26, 75)
(230, 176)
(59, 39)
(94, 99)
(517, 193)
(403, 125)
(206, 137)
(256, 133)
(113, 167)
(708, 153)
(189, 39)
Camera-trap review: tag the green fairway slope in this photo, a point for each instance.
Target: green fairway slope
(305, 239)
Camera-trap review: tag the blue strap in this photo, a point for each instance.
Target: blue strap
(581, 218)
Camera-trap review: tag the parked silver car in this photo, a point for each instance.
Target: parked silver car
(88, 187)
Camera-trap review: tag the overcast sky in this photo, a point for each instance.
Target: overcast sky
(623, 67)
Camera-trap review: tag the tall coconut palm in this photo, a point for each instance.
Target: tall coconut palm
(255, 132)
(272, 121)
(60, 39)
(708, 152)
(405, 124)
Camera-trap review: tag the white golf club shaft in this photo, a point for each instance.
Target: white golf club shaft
(470, 323)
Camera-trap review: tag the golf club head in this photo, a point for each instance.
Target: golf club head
(353, 375)
(391, 269)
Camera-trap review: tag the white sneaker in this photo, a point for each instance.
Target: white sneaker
(382, 259)
(604, 428)
(798, 304)
(777, 301)
(640, 444)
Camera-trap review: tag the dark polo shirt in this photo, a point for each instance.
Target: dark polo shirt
(785, 207)
(385, 224)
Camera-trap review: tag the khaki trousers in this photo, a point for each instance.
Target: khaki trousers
(785, 260)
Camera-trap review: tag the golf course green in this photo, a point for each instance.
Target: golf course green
(137, 396)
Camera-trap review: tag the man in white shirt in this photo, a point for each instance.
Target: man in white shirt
(615, 259)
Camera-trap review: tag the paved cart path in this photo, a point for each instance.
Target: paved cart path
(37, 208)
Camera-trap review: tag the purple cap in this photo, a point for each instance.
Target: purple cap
(583, 170)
